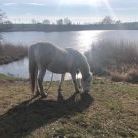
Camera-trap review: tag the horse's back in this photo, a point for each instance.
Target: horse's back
(41, 53)
(48, 55)
(42, 48)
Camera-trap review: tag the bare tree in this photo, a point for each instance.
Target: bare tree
(46, 21)
(34, 21)
(5, 24)
(60, 22)
(2, 16)
(107, 20)
(67, 21)
(118, 22)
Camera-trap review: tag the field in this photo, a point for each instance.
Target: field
(109, 110)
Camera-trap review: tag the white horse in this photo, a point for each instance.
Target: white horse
(44, 56)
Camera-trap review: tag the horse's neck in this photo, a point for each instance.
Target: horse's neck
(84, 68)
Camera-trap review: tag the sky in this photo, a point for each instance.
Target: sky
(79, 11)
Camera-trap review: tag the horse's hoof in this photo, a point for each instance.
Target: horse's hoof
(34, 95)
(43, 95)
(78, 91)
(37, 94)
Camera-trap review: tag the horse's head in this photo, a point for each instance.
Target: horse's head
(86, 82)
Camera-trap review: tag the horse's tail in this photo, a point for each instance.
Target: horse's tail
(33, 70)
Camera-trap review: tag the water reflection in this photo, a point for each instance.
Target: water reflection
(17, 68)
(80, 40)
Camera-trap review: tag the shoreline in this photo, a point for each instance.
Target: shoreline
(63, 28)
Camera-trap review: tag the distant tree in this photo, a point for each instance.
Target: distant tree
(2, 16)
(60, 22)
(107, 20)
(67, 21)
(46, 21)
(118, 22)
(7, 22)
(34, 21)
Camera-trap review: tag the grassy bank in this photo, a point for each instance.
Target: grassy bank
(10, 53)
(117, 59)
(109, 110)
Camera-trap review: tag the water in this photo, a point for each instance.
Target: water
(80, 40)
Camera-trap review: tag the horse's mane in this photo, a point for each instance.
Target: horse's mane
(81, 61)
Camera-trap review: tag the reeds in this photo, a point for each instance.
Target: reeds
(114, 58)
(10, 53)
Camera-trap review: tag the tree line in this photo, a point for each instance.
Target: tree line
(64, 21)
(65, 24)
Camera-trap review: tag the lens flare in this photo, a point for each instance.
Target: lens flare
(110, 9)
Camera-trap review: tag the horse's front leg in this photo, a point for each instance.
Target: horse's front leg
(79, 84)
(75, 82)
(60, 84)
(40, 81)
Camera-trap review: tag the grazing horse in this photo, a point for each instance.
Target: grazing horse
(44, 56)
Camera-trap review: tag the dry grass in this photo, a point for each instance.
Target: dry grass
(130, 76)
(118, 59)
(112, 113)
(10, 52)
(117, 77)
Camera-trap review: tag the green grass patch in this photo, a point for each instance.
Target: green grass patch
(5, 77)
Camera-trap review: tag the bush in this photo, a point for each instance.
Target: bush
(110, 55)
(117, 77)
(132, 76)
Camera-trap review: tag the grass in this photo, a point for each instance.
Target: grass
(10, 53)
(5, 77)
(109, 110)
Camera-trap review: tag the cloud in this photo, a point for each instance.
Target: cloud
(51, 2)
(20, 4)
(9, 4)
(35, 4)
(82, 2)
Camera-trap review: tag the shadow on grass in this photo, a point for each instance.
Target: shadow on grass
(30, 115)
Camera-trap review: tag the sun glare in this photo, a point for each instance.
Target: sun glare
(110, 9)
(95, 3)
(81, 2)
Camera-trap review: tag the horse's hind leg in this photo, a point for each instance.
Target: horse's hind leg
(40, 81)
(62, 79)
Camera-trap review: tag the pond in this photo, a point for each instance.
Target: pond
(80, 40)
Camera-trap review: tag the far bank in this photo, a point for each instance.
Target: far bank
(64, 27)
